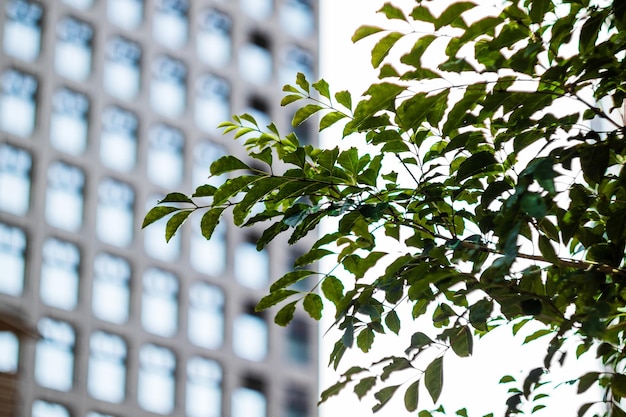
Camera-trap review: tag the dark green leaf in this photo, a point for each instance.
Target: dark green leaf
(618, 385)
(209, 221)
(284, 316)
(383, 396)
(475, 164)
(176, 198)
(411, 396)
(290, 278)
(274, 298)
(227, 164)
(393, 321)
(461, 341)
(452, 13)
(547, 250)
(364, 386)
(586, 381)
(174, 223)
(313, 305)
(157, 213)
(204, 191)
(433, 378)
(332, 288)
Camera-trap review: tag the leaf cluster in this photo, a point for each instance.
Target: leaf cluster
(505, 191)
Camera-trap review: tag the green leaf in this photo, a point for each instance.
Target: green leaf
(594, 161)
(313, 305)
(475, 164)
(480, 312)
(209, 221)
(534, 205)
(332, 288)
(284, 316)
(274, 298)
(461, 341)
(547, 250)
(365, 339)
(322, 87)
(397, 364)
(330, 119)
(423, 14)
(303, 113)
(174, 223)
(302, 82)
(452, 13)
(538, 9)
(586, 381)
(227, 163)
(383, 396)
(259, 190)
(433, 378)
(411, 396)
(392, 12)
(205, 190)
(618, 385)
(290, 98)
(157, 213)
(365, 31)
(364, 386)
(290, 278)
(232, 187)
(344, 98)
(176, 198)
(393, 321)
(418, 341)
(584, 408)
(383, 46)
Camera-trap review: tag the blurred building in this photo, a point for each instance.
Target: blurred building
(105, 105)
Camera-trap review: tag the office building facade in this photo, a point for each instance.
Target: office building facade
(106, 105)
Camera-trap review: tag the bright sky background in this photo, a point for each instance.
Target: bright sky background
(467, 382)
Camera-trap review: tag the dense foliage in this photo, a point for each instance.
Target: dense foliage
(495, 160)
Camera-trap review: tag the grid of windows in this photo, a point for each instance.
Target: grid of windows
(99, 116)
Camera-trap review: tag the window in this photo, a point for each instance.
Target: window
(107, 369)
(165, 162)
(293, 61)
(209, 256)
(249, 400)
(214, 38)
(22, 30)
(204, 154)
(118, 141)
(250, 335)
(297, 404)
(251, 266)
(156, 379)
(54, 357)
(68, 122)
(121, 77)
(80, 4)
(204, 388)
(255, 60)
(114, 220)
(10, 348)
(12, 259)
(94, 414)
(206, 316)
(167, 88)
(170, 23)
(127, 14)
(15, 165)
(257, 9)
(212, 103)
(72, 58)
(298, 341)
(111, 294)
(154, 243)
(17, 103)
(297, 17)
(46, 409)
(64, 197)
(59, 274)
(159, 303)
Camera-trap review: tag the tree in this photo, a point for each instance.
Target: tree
(498, 170)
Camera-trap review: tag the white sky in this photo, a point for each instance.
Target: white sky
(468, 382)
